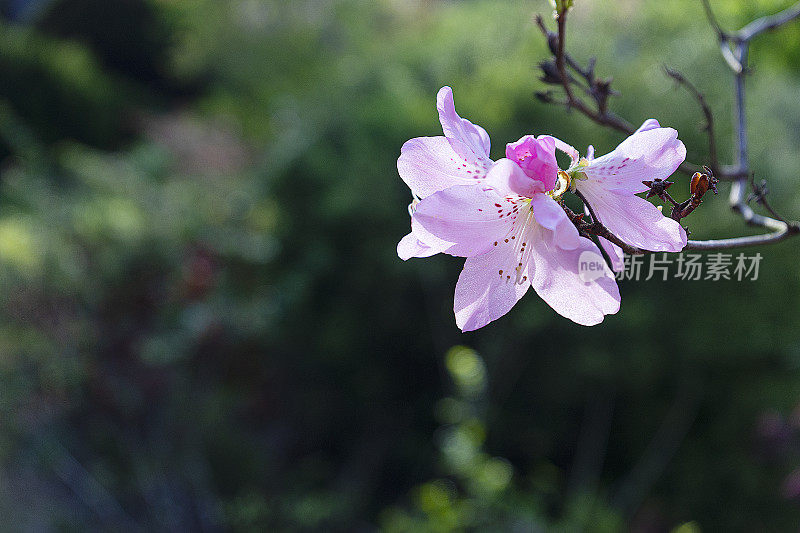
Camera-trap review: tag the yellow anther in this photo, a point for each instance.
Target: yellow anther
(562, 185)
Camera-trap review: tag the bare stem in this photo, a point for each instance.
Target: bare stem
(668, 197)
(768, 23)
(607, 118)
(737, 199)
(712, 20)
(595, 227)
(709, 116)
(600, 116)
(775, 215)
(742, 242)
(736, 58)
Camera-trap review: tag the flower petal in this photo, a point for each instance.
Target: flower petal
(557, 280)
(473, 218)
(614, 253)
(648, 154)
(552, 216)
(508, 178)
(429, 164)
(649, 124)
(536, 157)
(473, 138)
(634, 220)
(573, 153)
(488, 287)
(411, 246)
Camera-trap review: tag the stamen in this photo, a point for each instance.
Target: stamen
(562, 185)
(521, 252)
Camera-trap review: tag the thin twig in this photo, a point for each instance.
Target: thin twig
(782, 229)
(712, 20)
(737, 60)
(730, 58)
(768, 23)
(595, 227)
(587, 206)
(742, 242)
(737, 199)
(759, 194)
(766, 205)
(754, 28)
(723, 37)
(606, 119)
(87, 488)
(670, 199)
(781, 232)
(602, 116)
(552, 42)
(709, 125)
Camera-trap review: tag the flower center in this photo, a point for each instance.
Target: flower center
(562, 186)
(567, 178)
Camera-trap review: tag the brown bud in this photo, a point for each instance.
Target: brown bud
(700, 184)
(550, 72)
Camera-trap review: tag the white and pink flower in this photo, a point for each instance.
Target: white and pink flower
(611, 182)
(505, 218)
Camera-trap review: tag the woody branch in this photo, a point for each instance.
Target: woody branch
(736, 58)
(556, 72)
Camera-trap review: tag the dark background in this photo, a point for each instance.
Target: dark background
(204, 325)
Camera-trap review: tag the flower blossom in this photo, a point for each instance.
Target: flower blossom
(506, 219)
(431, 164)
(610, 183)
(514, 236)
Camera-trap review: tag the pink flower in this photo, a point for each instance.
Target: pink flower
(537, 159)
(610, 184)
(461, 157)
(515, 236)
(614, 253)
(432, 164)
(502, 216)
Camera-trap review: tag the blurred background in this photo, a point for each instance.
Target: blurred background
(204, 325)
